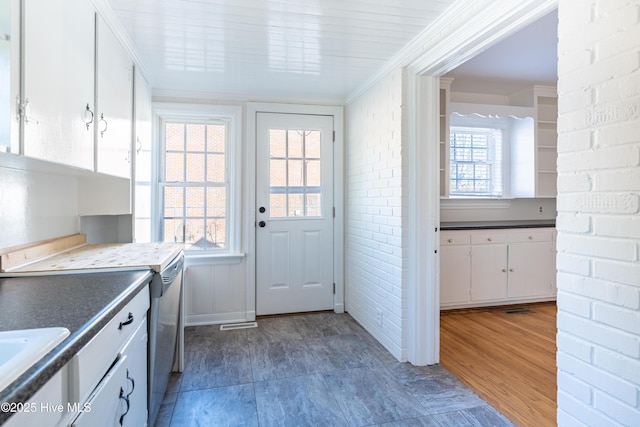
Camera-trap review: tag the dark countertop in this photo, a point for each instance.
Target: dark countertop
(479, 225)
(83, 303)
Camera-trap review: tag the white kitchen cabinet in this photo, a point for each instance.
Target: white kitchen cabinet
(455, 268)
(114, 104)
(58, 73)
(488, 272)
(47, 407)
(9, 76)
(142, 159)
(110, 372)
(120, 399)
(504, 266)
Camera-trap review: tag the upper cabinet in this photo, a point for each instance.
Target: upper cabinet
(9, 81)
(58, 99)
(114, 104)
(74, 105)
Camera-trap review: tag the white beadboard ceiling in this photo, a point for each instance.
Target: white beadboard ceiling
(305, 50)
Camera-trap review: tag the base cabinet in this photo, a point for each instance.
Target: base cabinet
(489, 267)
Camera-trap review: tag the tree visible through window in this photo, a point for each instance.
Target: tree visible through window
(194, 184)
(475, 161)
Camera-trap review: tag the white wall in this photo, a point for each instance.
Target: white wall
(463, 210)
(598, 213)
(36, 206)
(375, 205)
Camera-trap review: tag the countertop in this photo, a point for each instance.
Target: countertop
(479, 225)
(154, 256)
(83, 303)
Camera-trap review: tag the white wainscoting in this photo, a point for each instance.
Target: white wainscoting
(216, 293)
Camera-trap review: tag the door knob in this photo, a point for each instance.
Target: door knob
(261, 224)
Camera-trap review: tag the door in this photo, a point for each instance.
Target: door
(488, 272)
(294, 217)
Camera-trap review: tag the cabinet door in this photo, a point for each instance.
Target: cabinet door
(488, 272)
(114, 104)
(455, 274)
(136, 375)
(59, 81)
(143, 117)
(531, 269)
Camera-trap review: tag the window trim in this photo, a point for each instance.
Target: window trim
(170, 111)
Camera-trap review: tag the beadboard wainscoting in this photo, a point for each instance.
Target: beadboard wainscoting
(216, 293)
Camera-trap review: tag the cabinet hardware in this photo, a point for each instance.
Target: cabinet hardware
(530, 237)
(450, 240)
(126, 322)
(133, 384)
(103, 129)
(504, 270)
(126, 399)
(88, 116)
(511, 270)
(489, 239)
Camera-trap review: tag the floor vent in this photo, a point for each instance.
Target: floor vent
(233, 326)
(518, 310)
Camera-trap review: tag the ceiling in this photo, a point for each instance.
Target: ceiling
(319, 50)
(307, 50)
(529, 56)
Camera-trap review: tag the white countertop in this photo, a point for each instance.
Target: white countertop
(155, 256)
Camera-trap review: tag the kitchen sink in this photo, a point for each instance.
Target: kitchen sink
(19, 350)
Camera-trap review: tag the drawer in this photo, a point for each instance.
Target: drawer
(531, 235)
(108, 402)
(94, 359)
(451, 238)
(488, 237)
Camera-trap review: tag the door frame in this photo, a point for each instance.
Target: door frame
(253, 108)
(421, 77)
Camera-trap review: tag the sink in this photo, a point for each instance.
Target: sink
(19, 350)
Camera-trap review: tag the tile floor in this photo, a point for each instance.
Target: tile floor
(320, 369)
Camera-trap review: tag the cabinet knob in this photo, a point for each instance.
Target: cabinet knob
(450, 240)
(511, 270)
(489, 239)
(504, 270)
(530, 237)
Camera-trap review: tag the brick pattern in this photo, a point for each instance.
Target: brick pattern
(598, 213)
(375, 260)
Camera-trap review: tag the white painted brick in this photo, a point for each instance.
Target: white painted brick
(565, 419)
(571, 61)
(617, 249)
(581, 412)
(573, 223)
(615, 226)
(626, 368)
(574, 141)
(605, 203)
(575, 304)
(618, 317)
(571, 346)
(573, 264)
(605, 158)
(617, 271)
(601, 335)
(623, 390)
(624, 414)
(619, 134)
(612, 293)
(575, 387)
(570, 183)
(618, 180)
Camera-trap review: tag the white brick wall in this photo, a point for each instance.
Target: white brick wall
(599, 213)
(375, 203)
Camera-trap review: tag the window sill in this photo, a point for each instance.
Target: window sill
(194, 259)
(475, 203)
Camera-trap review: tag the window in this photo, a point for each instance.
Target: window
(198, 173)
(475, 161)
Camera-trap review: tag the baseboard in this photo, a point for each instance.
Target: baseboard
(215, 319)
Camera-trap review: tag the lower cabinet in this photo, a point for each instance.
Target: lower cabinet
(486, 267)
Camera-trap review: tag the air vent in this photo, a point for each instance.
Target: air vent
(234, 326)
(518, 310)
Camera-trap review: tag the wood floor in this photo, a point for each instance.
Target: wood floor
(507, 359)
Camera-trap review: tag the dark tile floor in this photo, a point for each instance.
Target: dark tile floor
(319, 369)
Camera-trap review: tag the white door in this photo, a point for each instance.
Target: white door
(294, 217)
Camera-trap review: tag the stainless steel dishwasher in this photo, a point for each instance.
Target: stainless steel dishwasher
(165, 329)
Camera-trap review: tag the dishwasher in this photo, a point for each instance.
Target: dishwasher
(165, 332)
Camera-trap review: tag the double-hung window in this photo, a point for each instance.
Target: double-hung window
(476, 152)
(198, 177)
